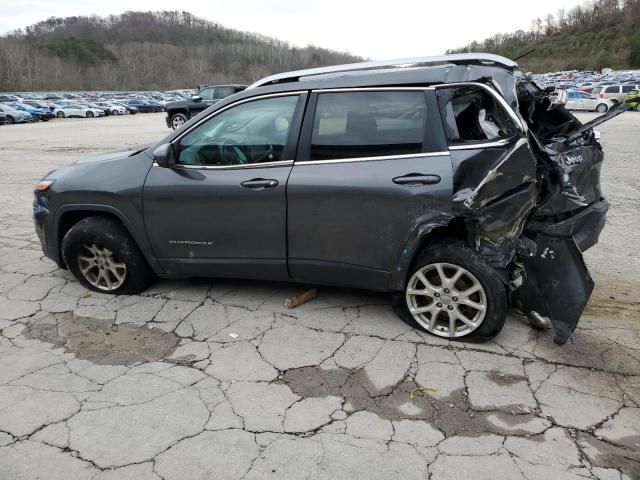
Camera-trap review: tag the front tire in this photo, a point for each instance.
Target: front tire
(177, 120)
(60, 114)
(89, 114)
(452, 293)
(104, 258)
(602, 108)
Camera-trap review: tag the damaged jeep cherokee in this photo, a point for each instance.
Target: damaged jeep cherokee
(451, 182)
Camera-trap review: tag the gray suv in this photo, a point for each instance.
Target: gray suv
(451, 182)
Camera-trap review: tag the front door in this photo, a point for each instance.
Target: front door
(222, 210)
(370, 165)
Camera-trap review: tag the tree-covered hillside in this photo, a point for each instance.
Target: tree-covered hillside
(601, 33)
(144, 50)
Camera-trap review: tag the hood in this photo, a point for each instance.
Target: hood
(613, 112)
(119, 154)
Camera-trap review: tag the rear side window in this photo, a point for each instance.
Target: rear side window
(628, 88)
(612, 90)
(471, 114)
(368, 124)
(223, 92)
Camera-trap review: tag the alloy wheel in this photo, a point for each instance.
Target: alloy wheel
(446, 300)
(100, 268)
(177, 121)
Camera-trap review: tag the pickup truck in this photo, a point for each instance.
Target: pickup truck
(180, 112)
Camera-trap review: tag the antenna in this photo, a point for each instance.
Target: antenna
(523, 55)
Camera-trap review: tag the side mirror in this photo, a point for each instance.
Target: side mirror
(196, 98)
(165, 156)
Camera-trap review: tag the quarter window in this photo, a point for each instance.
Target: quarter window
(252, 132)
(368, 124)
(471, 114)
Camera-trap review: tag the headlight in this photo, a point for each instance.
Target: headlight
(43, 185)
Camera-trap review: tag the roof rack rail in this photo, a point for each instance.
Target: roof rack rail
(456, 59)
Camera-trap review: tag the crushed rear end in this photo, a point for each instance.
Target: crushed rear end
(534, 211)
(569, 213)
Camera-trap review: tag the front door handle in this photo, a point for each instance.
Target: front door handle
(258, 183)
(416, 179)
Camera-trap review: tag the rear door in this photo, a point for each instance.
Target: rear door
(586, 102)
(371, 165)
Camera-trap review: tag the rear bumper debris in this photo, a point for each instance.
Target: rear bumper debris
(557, 283)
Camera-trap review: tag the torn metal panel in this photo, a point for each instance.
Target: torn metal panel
(557, 285)
(532, 200)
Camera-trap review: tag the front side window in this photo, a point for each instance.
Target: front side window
(206, 94)
(612, 90)
(249, 133)
(368, 124)
(471, 114)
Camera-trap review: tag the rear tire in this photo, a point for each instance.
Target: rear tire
(104, 258)
(60, 114)
(477, 316)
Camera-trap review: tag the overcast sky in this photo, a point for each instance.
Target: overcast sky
(373, 29)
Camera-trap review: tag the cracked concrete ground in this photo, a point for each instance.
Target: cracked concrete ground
(216, 379)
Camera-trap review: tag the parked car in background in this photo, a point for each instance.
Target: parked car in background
(633, 99)
(111, 108)
(130, 108)
(180, 112)
(155, 105)
(16, 116)
(38, 104)
(77, 110)
(576, 100)
(616, 93)
(140, 106)
(9, 98)
(43, 114)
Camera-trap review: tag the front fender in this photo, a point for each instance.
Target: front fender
(138, 236)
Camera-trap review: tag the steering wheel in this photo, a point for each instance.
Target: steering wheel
(234, 153)
(268, 154)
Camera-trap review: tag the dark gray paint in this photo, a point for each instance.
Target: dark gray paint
(211, 206)
(352, 217)
(349, 223)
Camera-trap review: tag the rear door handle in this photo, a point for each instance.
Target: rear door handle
(258, 183)
(416, 179)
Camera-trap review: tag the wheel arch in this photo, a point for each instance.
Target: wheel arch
(428, 233)
(183, 110)
(70, 215)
